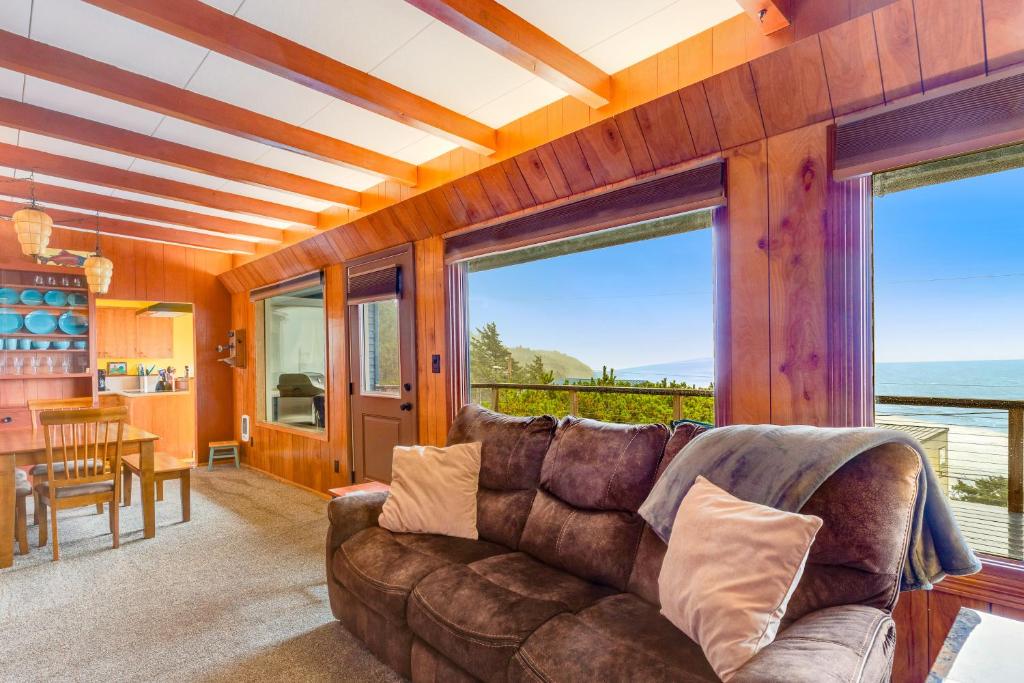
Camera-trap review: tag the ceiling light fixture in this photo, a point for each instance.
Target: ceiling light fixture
(33, 227)
(98, 269)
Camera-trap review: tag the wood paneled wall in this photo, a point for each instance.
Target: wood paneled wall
(784, 305)
(151, 271)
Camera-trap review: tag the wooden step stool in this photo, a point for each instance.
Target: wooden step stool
(222, 450)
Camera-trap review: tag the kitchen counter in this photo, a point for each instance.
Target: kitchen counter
(169, 414)
(135, 393)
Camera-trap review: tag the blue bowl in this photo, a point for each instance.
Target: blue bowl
(61, 345)
(10, 322)
(55, 297)
(8, 296)
(75, 299)
(40, 322)
(31, 297)
(73, 323)
(78, 344)
(40, 345)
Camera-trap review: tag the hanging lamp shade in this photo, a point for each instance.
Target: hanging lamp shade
(98, 272)
(33, 228)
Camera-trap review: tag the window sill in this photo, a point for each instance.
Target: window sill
(1000, 581)
(316, 435)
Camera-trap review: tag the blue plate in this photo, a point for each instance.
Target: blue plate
(8, 296)
(31, 297)
(10, 322)
(40, 322)
(78, 344)
(78, 300)
(55, 297)
(73, 323)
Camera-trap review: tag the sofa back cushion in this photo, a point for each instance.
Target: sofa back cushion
(595, 476)
(511, 455)
(857, 558)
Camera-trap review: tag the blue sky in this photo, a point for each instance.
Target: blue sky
(949, 272)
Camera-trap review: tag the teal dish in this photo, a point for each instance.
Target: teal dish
(8, 296)
(73, 323)
(55, 297)
(10, 322)
(31, 297)
(61, 345)
(78, 344)
(40, 322)
(75, 299)
(40, 345)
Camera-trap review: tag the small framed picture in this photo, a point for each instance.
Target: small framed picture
(117, 368)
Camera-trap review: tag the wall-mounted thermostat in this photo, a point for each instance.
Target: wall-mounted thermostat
(245, 429)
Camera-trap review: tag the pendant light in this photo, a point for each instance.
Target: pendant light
(33, 227)
(98, 268)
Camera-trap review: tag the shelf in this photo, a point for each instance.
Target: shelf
(44, 375)
(43, 288)
(50, 350)
(43, 307)
(52, 335)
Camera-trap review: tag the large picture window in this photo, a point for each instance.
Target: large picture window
(295, 359)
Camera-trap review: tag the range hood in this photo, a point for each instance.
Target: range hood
(164, 310)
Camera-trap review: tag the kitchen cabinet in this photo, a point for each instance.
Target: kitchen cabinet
(122, 334)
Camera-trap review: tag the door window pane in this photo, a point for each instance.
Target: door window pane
(295, 359)
(379, 344)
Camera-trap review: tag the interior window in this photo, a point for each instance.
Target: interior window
(378, 321)
(949, 298)
(294, 358)
(614, 325)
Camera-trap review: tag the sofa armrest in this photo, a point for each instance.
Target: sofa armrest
(351, 514)
(852, 644)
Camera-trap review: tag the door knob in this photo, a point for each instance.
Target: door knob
(405, 406)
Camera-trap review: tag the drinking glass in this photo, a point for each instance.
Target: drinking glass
(33, 364)
(65, 365)
(3, 363)
(18, 362)
(49, 364)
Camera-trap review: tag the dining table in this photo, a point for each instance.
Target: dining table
(20, 447)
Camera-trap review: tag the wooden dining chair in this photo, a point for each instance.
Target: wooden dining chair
(36, 406)
(87, 444)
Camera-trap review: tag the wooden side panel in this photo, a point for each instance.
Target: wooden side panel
(699, 119)
(743, 352)
(430, 341)
(910, 661)
(951, 39)
(664, 126)
(797, 205)
(1004, 33)
(791, 87)
(851, 63)
(734, 108)
(605, 152)
(898, 55)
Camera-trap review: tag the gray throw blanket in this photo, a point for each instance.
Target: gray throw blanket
(782, 467)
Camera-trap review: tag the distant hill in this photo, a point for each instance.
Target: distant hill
(695, 371)
(561, 364)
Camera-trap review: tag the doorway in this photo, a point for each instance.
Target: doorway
(381, 319)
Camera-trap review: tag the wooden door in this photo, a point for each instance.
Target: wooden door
(381, 321)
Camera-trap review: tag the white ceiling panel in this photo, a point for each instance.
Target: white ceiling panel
(318, 170)
(74, 184)
(356, 125)
(423, 150)
(11, 83)
(445, 66)
(661, 30)
(519, 102)
(174, 173)
(267, 194)
(209, 139)
(74, 150)
(9, 135)
(14, 16)
(185, 206)
(88, 106)
(257, 90)
(360, 33)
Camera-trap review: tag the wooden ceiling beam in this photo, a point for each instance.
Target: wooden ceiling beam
(49, 63)
(207, 26)
(90, 201)
(69, 168)
(770, 15)
(501, 30)
(63, 126)
(153, 233)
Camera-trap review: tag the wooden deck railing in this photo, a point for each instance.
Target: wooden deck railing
(1013, 408)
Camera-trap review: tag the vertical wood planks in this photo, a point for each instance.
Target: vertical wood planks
(851, 64)
(430, 340)
(791, 89)
(1004, 33)
(951, 40)
(898, 55)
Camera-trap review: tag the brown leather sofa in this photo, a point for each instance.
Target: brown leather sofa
(563, 583)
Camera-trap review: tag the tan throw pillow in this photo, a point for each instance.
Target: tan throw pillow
(433, 490)
(730, 569)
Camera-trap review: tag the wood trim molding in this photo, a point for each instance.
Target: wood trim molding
(83, 131)
(201, 24)
(46, 62)
(70, 168)
(496, 27)
(1000, 582)
(768, 14)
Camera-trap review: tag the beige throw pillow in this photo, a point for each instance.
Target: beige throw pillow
(730, 569)
(433, 490)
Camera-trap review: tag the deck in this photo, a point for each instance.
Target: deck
(990, 529)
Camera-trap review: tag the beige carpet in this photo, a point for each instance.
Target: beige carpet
(237, 594)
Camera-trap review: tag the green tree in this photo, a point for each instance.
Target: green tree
(993, 490)
(536, 373)
(489, 358)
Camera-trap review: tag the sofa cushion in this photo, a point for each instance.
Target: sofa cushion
(512, 452)
(478, 614)
(643, 580)
(620, 638)
(594, 478)
(381, 568)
